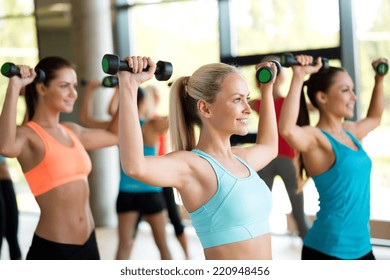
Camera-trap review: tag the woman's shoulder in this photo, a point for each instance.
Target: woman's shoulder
(72, 126)
(190, 159)
(25, 131)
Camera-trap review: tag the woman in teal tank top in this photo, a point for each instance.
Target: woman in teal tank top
(333, 156)
(229, 204)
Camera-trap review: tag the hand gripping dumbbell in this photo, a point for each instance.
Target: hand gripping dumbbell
(111, 64)
(381, 68)
(288, 60)
(265, 74)
(9, 70)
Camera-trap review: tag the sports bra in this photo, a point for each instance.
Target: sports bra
(60, 164)
(238, 211)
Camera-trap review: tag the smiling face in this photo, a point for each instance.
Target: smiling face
(340, 98)
(230, 111)
(61, 93)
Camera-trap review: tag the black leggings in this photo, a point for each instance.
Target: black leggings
(9, 218)
(311, 254)
(42, 249)
(173, 212)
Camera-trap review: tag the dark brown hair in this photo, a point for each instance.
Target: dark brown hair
(50, 65)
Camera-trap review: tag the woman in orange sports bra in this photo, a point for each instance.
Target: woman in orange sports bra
(53, 158)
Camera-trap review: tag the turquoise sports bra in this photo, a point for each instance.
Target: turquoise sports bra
(238, 211)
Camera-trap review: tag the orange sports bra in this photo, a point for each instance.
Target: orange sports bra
(60, 164)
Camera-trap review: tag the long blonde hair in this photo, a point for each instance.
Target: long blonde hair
(204, 84)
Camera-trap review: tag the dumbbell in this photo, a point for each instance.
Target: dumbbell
(108, 82)
(382, 68)
(9, 70)
(111, 64)
(265, 74)
(288, 60)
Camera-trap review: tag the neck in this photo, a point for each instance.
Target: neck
(332, 125)
(46, 120)
(219, 146)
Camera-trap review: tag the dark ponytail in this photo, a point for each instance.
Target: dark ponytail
(320, 81)
(303, 120)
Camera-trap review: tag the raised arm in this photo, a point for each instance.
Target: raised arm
(375, 110)
(266, 147)
(157, 171)
(12, 142)
(96, 138)
(297, 136)
(130, 133)
(85, 112)
(153, 129)
(96, 134)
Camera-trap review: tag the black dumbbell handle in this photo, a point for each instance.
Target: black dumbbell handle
(111, 64)
(288, 60)
(9, 70)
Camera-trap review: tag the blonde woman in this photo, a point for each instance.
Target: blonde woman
(229, 204)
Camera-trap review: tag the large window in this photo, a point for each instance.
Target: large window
(269, 26)
(184, 33)
(373, 37)
(18, 44)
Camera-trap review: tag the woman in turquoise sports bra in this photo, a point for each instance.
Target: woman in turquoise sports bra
(228, 203)
(334, 158)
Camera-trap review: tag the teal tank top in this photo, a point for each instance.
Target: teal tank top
(2, 159)
(238, 211)
(130, 185)
(341, 228)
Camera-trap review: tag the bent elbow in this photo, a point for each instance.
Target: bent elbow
(7, 153)
(285, 132)
(275, 150)
(133, 171)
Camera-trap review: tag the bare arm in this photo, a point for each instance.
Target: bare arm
(97, 138)
(85, 112)
(296, 136)
(266, 147)
(11, 143)
(98, 134)
(158, 171)
(375, 110)
(253, 104)
(113, 107)
(153, 129)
